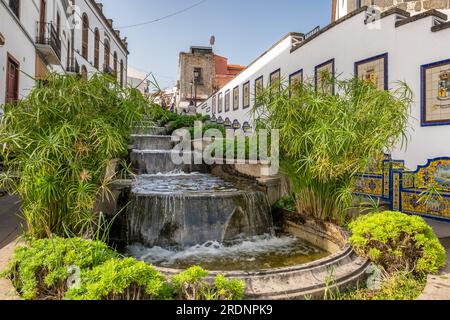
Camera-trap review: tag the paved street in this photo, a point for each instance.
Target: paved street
(10, 223)
(438, 286)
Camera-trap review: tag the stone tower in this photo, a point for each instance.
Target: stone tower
(343, 7)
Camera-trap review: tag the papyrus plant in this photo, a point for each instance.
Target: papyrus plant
(326, 139)
(57, 144)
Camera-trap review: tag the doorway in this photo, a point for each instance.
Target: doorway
(12, 80)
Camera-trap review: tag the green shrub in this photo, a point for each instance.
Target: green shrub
(40, 269)
(126, 279)
(60, 141)
(193, 285)
(186, 121)
(243, 148)
(325, 139)
(207, 127)
(398, 242)
(43, 269)
(287, 203)
(160, 116)
(229, 289)
(398, 286)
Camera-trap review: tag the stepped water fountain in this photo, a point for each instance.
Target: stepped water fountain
(181, 215)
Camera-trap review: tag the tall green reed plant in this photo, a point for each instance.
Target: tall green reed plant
(58, 144)
(326, 139)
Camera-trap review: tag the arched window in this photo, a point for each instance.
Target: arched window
(85, 37)
(107, 53)
(97, 49)
(115, 65)
(84, 73)
(121, 73)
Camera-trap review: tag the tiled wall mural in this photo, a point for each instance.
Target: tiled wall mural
(246, 95)
(220, 103)
(424, 192)
(323, 73)
(374, 70)
(436, 93)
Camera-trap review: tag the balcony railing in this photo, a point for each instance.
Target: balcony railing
(48, 36)
(73, 66)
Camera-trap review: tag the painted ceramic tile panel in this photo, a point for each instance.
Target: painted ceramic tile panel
(369, 185)
(220, 107)
(296, 78)
(227, 101)
(436, 174)
(323, 75)
(436, 100)
(259, 86)
(246, 92)
(373, 72)
(435, 206)
(236, 98)
(275, 79)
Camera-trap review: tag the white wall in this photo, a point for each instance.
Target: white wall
(19, 36)
(96, 21)
(409, 46)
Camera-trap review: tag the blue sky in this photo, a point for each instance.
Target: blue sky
(243, 28)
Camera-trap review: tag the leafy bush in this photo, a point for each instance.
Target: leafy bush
(160, 116)
(398, 286)
(76, 269)
(326, 139)
(40, 269)
(185, 121)
(192, 285)
(287, 203)
(398, 242)
(243, 148)
(57, 145)
(207, 127)
(126, 279)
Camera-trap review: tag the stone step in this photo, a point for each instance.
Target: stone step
(160, 161)
(152, 142)
(149, 130)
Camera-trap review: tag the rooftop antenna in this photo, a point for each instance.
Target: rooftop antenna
(212, 41)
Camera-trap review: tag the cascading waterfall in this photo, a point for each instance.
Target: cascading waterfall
(176, 205)
(179, 215)
(188, 209)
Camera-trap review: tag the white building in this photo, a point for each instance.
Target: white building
(396, 46)
(341, 8)
(139, 80)
(406, 45)
(64, 36)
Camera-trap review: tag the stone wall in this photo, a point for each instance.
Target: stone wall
(189, 61)
(413, 6)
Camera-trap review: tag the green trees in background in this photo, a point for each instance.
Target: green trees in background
(57, 145)
(326, 139)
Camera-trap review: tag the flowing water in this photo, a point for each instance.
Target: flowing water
(254, 253)
(179, 215)
(187, 209)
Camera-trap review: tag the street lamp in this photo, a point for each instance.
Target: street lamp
(196, 78)
(192, 89)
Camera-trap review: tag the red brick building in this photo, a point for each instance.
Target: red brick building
(225, 72)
